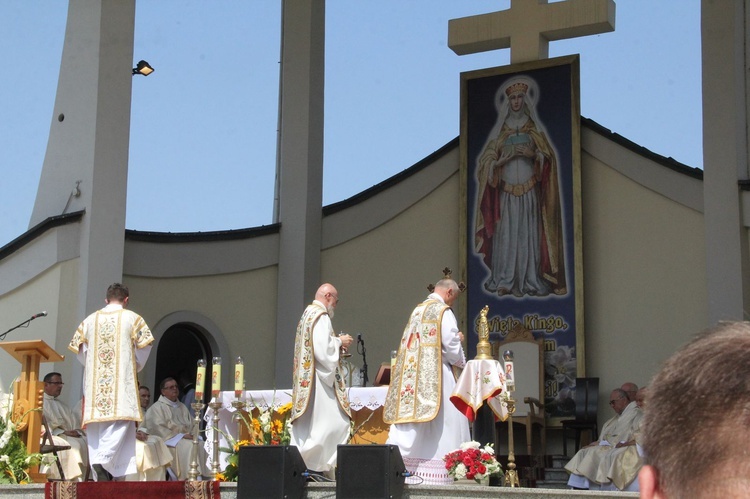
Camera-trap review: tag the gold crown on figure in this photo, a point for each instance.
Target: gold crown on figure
(447, 275)
(516, 87)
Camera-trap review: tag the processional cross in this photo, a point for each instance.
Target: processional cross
(528, 27)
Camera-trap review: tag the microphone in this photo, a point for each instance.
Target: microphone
(40, 314)
(359, 339)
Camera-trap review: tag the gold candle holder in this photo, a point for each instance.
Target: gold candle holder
(239, 405)
(197, 409)
(511, 475)
(215, 465)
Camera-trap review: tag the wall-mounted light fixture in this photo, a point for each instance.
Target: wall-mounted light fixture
(143, 68)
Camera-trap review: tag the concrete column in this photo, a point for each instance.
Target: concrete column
(89, 138)
(725, 156)
(300, 170)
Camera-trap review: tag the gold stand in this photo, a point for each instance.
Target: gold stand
(239, 406)
(511, 475)
(197, 409)
(215, 466)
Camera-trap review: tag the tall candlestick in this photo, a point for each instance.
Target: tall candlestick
(216, 377)
(200, 380)
(239, 377)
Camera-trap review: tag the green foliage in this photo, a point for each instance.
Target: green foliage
(15, 461)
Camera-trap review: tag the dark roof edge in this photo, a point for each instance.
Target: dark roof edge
(670, 163)
(391, 181)
(193, 237)
(39, 229)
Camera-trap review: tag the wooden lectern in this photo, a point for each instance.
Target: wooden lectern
(28, 393)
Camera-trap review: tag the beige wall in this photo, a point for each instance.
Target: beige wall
(644, 274)
(237, 310)
(45, 292)
(383, 274)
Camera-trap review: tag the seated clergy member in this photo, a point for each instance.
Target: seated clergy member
(169, 419)
(625, 461)
(695, 431)
(65, 426)
(586, 470)
(152, 456)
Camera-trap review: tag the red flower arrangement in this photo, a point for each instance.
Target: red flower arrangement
(472, 461)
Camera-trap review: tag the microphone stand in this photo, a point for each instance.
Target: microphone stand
(23, 324)
(363, 353)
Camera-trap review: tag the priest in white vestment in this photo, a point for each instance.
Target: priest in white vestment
(65, 427)
(169, 419)
(425, 425)
(113, 344)
(320, 413)
(586, 468)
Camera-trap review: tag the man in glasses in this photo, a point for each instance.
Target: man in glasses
(65, 427)
(585, 468)
(169, 419)
(113, 344)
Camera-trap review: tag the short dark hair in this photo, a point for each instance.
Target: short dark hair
(165, 381)
(697, 422)
(117, 292)
(49, 376)
(144, 387)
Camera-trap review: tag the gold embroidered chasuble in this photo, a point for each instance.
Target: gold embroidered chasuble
(416, 379)
(111, 336)
(303, 377)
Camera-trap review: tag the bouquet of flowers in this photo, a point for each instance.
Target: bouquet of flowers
(15, 461)
(472, 461)
(270, 427)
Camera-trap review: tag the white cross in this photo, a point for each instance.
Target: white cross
(528, 26)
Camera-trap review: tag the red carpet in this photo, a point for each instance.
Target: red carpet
(132, 490)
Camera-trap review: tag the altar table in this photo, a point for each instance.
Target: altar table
(366, 404)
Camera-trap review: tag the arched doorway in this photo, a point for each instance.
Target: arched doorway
(179, 350)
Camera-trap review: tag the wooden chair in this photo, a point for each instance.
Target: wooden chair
(528, 362)
(586, 397)
(48, 446)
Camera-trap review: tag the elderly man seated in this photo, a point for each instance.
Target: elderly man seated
(65, 427)
(169, 419)
(625, 461)
(152, 456)
(586, 468)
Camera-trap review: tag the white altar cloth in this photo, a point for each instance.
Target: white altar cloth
(370, 397)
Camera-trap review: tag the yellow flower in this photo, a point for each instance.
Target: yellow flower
(284, 409)
(220, 477)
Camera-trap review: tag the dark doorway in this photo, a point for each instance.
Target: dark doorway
(179, 350)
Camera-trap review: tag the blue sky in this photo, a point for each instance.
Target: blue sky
(203, 131)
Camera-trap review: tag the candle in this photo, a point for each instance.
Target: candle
(239, 377)
(200, 380)
(216, 377)
(510, 375)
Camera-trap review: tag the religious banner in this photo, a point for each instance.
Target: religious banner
(521, 217)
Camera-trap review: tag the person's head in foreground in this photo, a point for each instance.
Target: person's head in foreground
(697, 424)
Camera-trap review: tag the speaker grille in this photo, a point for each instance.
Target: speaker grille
(369, 471)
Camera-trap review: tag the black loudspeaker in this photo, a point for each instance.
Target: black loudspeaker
(369, 471)
(270, 471)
